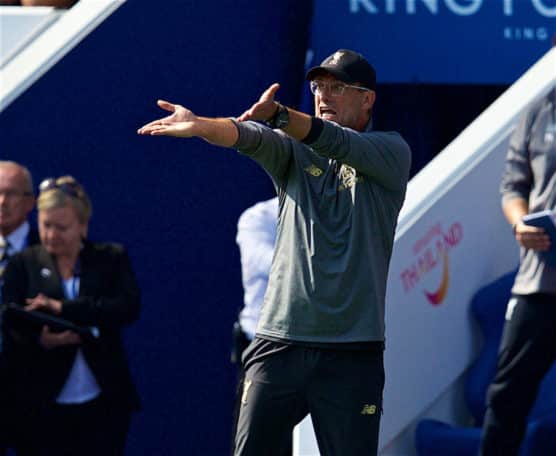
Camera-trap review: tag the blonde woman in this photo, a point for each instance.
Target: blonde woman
(71, 395)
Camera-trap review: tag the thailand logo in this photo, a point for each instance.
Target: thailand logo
(431, 252)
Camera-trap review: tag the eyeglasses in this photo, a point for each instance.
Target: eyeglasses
(69, 188)
(13, 194)
(334, 88)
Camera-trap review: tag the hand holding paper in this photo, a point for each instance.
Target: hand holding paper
(538, 232)
(50, 339)
(44, 303)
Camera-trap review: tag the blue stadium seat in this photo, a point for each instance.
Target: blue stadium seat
(434, 438)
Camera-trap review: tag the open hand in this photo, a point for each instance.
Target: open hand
(178, 124)
(263, 109)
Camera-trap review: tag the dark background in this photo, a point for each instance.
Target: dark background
(175, 203)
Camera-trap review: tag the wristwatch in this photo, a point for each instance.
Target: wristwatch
(280, 119)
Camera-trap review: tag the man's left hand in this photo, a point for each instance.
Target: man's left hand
(263, 109)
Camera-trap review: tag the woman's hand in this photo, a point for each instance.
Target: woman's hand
(42, 302)
(50, 340)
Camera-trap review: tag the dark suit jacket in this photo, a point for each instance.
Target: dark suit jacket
(108, 299)
(32, 239)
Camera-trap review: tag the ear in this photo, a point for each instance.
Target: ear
(370, 98)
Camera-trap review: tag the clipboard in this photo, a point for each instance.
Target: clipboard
(38, 318)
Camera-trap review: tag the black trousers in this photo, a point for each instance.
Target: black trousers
(4, 417)
(341, 389)
(95, 428)
(240, 344)
(527, 351)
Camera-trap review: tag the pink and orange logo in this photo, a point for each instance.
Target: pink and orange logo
(431, 251)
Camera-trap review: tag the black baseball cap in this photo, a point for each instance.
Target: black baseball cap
(347, 66)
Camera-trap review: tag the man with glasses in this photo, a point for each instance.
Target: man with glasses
(16, 202)
(320, 338)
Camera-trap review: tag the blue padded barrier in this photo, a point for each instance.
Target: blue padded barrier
(435, 438)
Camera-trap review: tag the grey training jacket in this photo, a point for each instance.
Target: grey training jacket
(339, 199)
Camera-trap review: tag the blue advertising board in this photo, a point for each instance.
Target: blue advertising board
(437, 41)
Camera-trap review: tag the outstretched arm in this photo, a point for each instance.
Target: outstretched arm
(182, 123)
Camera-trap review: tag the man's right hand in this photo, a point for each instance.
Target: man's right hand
(532, 237)
(179, 124)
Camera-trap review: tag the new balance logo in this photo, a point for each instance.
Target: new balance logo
(368, 409)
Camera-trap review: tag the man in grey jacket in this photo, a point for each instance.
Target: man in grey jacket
(528, 346)
(320, 338)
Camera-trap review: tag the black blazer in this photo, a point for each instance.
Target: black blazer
(108, 299)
